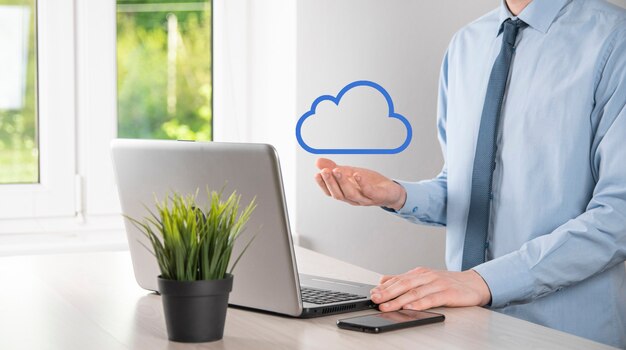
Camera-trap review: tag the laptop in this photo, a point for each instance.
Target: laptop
(266, 277)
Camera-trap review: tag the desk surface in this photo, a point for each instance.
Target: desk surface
(91, 301)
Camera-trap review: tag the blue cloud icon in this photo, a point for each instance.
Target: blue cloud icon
(336, 100)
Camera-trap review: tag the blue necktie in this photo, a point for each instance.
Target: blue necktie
(484, 159)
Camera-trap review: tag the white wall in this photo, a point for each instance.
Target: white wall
(255, 78)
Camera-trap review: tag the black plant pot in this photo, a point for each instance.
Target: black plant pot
(195, 311)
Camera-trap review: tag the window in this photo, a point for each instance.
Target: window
(62, 99)
(37, 109)
(164, 69)
(19, 159)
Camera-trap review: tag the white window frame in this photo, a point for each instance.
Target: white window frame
(239, 52)
(54, 195)
(97, 108)
(84, 61)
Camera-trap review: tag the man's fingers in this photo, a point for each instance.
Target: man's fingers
(331, 184)
(321, 183)
(401, 284)
(349, 187)
(322, 163)
(394, 279)
(423, 288)
(385, 278)
(410, 297)
(429, 301)
(334, 188)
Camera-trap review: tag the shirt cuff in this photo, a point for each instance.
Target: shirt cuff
(508, 279)
(419, 203)
(415, 200)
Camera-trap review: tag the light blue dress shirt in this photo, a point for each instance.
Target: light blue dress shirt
(557, 234)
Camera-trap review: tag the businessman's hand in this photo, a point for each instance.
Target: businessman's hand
(358, 186)
(423, 288)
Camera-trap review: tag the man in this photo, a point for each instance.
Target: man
(532, 124)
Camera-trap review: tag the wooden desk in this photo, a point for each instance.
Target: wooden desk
(91, 301)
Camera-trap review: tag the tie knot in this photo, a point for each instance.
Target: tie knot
(510, 30)
(516, 22)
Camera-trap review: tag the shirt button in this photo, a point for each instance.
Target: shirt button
(414, 209)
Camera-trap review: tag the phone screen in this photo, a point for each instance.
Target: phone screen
(389, 320)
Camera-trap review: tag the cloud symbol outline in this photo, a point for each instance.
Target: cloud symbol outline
(336, 100)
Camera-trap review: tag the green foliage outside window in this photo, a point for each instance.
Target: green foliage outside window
(158, 96)
(164, 90)
(19, 153)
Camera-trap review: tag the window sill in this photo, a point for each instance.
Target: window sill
(62, 235)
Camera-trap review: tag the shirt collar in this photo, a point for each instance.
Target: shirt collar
(539, 14)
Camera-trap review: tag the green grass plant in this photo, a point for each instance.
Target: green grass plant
(191, 243)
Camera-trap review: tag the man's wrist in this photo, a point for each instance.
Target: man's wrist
(483, 288)
(401, 200)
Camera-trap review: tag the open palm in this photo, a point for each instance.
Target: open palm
(358, 186)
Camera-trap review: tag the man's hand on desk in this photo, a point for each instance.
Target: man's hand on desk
(422, 288)
(358, 186)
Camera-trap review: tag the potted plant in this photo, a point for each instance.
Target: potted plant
(193, 248)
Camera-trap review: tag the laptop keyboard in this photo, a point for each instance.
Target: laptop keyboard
(323, 296)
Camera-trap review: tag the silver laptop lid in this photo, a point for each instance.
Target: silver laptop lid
(266, 278)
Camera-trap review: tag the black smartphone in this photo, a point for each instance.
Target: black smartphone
(387, 321)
